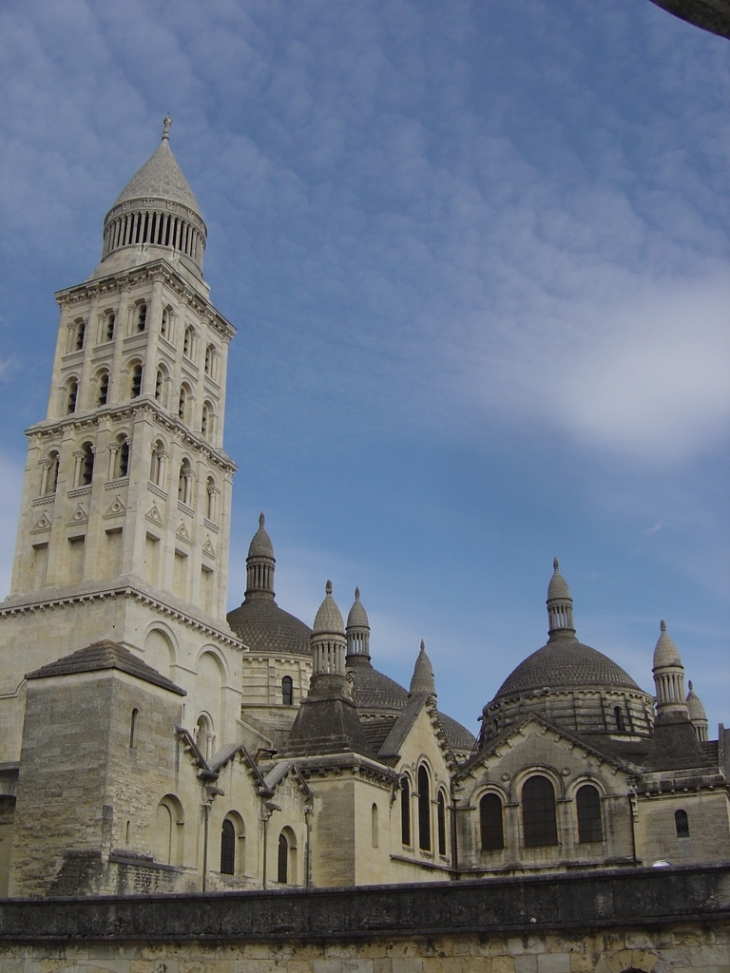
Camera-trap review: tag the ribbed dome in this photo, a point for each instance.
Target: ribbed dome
(261, 545)
(422, 680)
(694, 706)
(160, 178)
(666, 652)
(264, 627)
(565, 663)
(358, 617)
(329, 618)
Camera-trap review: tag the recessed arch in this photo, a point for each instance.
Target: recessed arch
(161, 647)
(167, 846)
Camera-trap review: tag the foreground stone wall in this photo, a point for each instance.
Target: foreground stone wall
(652, 921)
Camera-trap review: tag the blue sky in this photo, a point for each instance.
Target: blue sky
(477, 256)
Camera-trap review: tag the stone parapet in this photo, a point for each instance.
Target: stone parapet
(541, 906)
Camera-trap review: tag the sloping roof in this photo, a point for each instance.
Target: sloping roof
(105, 655)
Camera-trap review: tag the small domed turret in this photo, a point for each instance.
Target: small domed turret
(329, 616)
(559, 605)
(666, 652)
(328, 638)
(358, 632)
(261, 545)
(422, 682)
(697, 715)
(260, 564)
(668, 678)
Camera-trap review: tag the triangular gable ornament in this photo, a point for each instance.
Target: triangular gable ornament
(153, 514)
(208, 548)
(79, 516)
(43, 523)
(182, 533)
(117, 507)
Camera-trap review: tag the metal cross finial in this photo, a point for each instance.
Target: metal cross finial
(167, 122)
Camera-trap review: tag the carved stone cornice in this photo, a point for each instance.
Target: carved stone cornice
(155, 270)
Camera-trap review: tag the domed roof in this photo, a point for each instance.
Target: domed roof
(666, 652)
(422, 680)
(160, 178)
(261, 545)
(264, 627)
(372, 690)
(457, 736)
(358, 617)
(694, 705)
(566, 663)
(328, 617)
(558, 587)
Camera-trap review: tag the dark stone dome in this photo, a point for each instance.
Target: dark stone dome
(457, 736)
(264, 627)
(566, 663)
(372, 690)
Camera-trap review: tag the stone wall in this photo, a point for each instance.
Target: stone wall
(655, 921)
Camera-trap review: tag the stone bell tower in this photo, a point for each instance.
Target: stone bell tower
(125, 513)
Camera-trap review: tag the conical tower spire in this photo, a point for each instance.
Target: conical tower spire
(358, 633)
(156, 214)
(260, 564)
(422, 681)
(559, 605)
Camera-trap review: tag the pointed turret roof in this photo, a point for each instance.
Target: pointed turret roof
(358, 617)
(694, 705)
(666, 652)
(328, 617)
(160, 178)
(261, 545)
(422, 682)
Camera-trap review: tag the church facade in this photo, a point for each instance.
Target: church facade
(151, 743)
